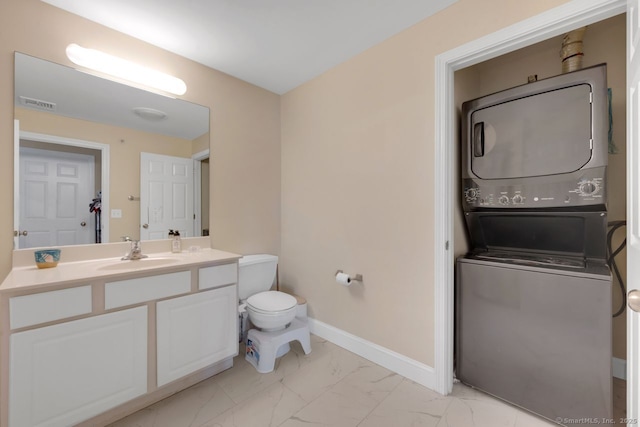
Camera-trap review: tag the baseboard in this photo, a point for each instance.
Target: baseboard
(619, 368)
(396, 362)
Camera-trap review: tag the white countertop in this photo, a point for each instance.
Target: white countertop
(32, 278)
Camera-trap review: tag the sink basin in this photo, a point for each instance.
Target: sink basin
(138, 264)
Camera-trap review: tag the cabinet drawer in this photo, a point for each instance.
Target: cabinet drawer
(216, 276)
(142, 289)
(30, 310)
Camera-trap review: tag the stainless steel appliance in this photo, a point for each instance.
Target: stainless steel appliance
(540, 145)
(537, 333)
(533, 296)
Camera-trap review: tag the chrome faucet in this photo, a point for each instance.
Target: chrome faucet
(136, 251)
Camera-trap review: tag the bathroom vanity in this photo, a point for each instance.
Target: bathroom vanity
(95, 339)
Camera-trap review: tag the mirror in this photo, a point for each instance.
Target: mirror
(81, 139)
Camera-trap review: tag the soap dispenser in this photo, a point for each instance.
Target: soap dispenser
(176, 243)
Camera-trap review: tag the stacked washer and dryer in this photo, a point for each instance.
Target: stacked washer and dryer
(533, 295)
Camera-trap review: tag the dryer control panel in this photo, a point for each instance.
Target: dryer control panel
(586, 189)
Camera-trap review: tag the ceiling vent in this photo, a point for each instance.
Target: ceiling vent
(38, 104)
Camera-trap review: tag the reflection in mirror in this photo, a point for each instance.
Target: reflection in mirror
(100, 161)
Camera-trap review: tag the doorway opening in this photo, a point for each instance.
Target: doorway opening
(201, 192)
(550, 24)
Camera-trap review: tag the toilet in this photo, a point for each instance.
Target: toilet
(279, 317)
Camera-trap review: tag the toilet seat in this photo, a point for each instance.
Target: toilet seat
(271, 302)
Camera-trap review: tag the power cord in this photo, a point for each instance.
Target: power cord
(611, 260)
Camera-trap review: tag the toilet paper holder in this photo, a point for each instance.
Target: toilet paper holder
(357, 277)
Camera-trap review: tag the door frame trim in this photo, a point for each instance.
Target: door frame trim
(197, 188)
(554, 22)
(52, 139)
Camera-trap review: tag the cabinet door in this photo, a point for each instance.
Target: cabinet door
(196, 331)
(66, 373)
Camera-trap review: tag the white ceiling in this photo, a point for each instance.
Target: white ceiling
(274, 44)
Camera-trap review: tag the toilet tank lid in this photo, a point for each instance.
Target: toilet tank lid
(257, 258)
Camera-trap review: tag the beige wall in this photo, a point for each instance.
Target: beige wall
(357, 179)
(201, 143)
(245, 123)
(603, 42)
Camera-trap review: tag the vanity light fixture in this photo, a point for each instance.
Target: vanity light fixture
(127, 70)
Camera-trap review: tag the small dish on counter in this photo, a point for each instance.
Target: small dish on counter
(47, 258)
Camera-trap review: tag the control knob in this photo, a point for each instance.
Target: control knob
(517, 199)
(471, 194)
(588, 188)
(503, 200)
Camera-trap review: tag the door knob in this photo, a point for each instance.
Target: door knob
(145, 225)
(633, 300)
(83, 223)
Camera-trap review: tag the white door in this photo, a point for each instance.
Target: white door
(196, 331)
(166, 196)
(633, 209)
(63, 374)
(56, 189)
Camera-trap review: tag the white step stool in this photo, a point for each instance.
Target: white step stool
(263, 348)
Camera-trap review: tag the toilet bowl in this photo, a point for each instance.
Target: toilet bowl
(271, 310)
(279, 317)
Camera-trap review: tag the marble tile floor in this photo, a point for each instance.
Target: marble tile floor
(329, 387)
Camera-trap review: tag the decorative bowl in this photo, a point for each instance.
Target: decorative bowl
(47, 258)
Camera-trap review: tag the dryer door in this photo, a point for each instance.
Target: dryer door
(544, 134)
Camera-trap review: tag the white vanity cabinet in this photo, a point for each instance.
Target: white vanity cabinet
(195, 331)
(88, 343)
(68, 372)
